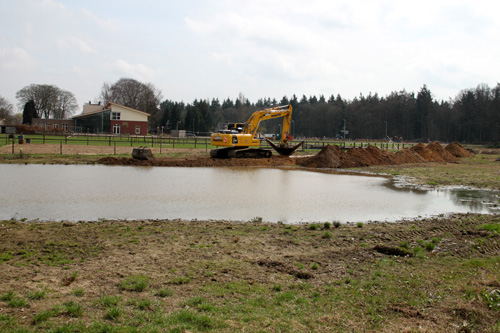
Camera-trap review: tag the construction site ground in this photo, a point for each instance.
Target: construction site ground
(430, 275)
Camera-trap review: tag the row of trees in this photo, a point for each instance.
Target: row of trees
(472, 116)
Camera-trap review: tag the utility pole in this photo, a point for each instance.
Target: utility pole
(344, 130)
(385, 129)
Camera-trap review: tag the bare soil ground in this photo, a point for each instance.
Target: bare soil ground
(428, 275)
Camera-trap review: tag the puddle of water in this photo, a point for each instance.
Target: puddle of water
(90, 192)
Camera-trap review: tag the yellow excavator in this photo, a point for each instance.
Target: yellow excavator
(237, 138)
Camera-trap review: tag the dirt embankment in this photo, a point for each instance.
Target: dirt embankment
(334, 157)
(328, 157)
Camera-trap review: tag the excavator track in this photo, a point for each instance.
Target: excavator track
(241, 152)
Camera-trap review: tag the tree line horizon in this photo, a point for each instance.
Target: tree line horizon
(473, 116)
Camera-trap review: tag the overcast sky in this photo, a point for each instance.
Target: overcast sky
(199, 49)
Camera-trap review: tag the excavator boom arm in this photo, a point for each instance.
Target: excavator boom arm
(285, 111)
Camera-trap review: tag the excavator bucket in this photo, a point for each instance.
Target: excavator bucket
(142, 153)
(284, 151)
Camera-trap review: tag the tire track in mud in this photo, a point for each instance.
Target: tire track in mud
(457, 235)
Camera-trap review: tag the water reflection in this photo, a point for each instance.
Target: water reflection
(80, 192)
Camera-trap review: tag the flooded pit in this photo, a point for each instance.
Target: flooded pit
(92, 192)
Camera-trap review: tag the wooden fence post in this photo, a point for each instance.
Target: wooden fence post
(115, 148)
(60, 147)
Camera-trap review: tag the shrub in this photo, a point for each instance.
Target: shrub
(360, 224)
(312, 226)
(327, 225)
(327, 234)
(336, 224)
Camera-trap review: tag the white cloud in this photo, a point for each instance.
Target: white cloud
(140, 72)
(103, 23)
(16, 58)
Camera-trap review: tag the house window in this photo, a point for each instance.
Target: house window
(65, 127)
(55, 125)
(115, 115)
(137, 129)
(116, 129)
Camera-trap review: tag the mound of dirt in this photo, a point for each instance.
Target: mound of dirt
(328, 157)
(433, 152)
(334, 157)
(457, 150)
(407, 156)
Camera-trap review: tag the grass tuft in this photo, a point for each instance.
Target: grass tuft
(164, 292)
(134, 283)
(37, 294)
(72, 309)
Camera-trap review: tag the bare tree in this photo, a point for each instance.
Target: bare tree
(6, 109)
(131, 93)
(50, 101)
(66, 105)
(136, 95)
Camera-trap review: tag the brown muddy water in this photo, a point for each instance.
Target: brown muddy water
(92, 192)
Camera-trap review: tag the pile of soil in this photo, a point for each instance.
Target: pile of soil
(407, 156)
(334, 157)
(434, 152)
(457, 150)
(328, 157)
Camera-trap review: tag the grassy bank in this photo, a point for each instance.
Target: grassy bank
(481, 171)
(127, 276)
